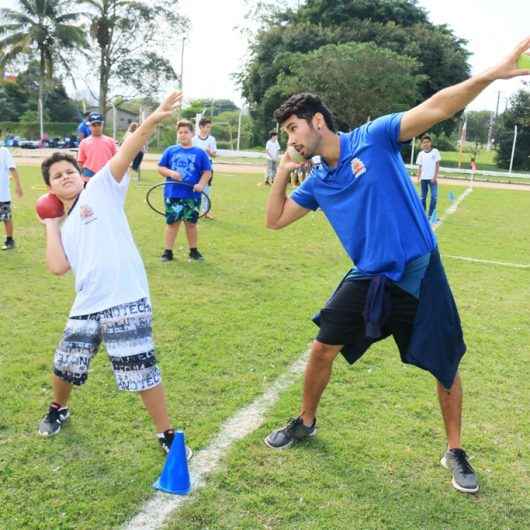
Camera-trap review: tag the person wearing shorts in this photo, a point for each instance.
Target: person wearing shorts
(93, 239)
(191, 166)
(7, 168)
(397, 286)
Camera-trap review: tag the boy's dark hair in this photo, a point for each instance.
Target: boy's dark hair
(56, 157)
(185, 123)
(205, 121)
(273, 133)
(304, 106)
(426, 137)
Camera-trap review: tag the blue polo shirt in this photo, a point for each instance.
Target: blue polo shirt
(370, 201)
(191, 163)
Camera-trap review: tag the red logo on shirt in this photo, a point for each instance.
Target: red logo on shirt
(86, 213)
(358, 167)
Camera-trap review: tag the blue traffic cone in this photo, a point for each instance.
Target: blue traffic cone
(175, 477)
(451, 196)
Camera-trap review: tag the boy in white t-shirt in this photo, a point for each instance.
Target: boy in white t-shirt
(112, 303)
(428, 163)
(272, 152)
(7, 166)
(207, 143)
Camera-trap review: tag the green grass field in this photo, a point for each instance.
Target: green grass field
(225, 329)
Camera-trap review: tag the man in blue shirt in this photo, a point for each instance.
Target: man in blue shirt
(397, 285)
(189, 165)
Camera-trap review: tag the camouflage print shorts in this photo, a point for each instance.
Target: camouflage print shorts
(186, 210)
(5, 211)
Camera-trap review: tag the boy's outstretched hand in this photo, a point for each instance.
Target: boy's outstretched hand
(168, 106)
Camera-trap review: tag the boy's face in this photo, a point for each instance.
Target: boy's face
(205, 130)
(96, 128)
(184, 136)
(65, 180)
(303, 136)
(426, 144)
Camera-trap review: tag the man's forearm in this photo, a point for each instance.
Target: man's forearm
(277, 197)
(453, 99)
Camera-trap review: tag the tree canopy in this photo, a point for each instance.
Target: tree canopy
(400, 26)
(517, 113)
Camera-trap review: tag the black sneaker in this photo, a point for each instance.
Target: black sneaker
(464, 477)
(9, 244)
(195, 255)
(295, 430)
(53, 421)
(167, 255)
(166, 440)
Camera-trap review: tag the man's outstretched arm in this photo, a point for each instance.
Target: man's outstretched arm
(446, 103)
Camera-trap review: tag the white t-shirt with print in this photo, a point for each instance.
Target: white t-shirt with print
(100, 248)
(206, 144)
(6, 163)
(427, 161)
(272, 149)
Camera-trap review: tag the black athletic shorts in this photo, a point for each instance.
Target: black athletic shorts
(341, 320)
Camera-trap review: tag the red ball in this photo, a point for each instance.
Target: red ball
(49, 206)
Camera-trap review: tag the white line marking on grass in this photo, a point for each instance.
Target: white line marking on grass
(452, 209)
(157, 510)
(489, 262)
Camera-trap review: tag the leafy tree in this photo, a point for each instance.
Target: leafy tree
(518, 113)
(357, 81)
(208, 108)
(127, 34)
(478, 123)
(398, 25)
(18, 99)
(43, 28)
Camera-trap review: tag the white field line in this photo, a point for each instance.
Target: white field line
(489, 262)
(452, 209)
(157, 510)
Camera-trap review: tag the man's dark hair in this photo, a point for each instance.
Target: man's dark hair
(56, 157)
(304, 106)
(426, 137)
(185, 123)
(205, 121)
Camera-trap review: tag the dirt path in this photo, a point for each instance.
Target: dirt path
(34, 158)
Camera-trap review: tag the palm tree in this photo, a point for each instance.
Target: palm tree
(45, 27)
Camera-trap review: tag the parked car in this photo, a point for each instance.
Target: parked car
(28, 144)
(11, 140)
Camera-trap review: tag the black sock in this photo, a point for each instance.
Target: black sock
(9, 239)
(194, 249)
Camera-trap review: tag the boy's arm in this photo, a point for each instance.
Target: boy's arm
(16, 178)
(169, 173)
(125, 155)
(436, 171)
(444, 104)
(418, 173)
(205, 177)
(55, 257)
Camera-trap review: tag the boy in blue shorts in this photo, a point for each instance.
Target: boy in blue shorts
(189, 165)
(112, 305)
(397, 285)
